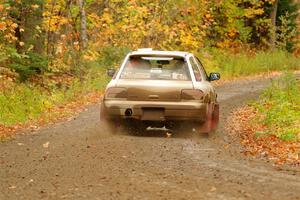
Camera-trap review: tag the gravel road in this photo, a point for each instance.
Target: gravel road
(77, 159)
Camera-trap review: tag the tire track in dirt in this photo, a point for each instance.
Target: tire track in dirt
(82, 161)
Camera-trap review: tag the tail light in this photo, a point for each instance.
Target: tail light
(192, 94)
(116, 93)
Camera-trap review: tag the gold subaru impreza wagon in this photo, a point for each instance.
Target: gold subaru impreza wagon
(160, 88)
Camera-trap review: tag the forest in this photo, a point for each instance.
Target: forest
(54, 51)
(39, 37)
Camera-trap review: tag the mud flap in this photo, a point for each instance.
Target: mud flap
(212, 119)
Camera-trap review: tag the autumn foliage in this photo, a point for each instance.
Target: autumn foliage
(39, 36)
(270, 127)
(267, 146)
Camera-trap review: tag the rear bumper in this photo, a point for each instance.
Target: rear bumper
(188, 110)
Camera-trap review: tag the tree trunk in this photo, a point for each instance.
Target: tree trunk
(50, 35)
(273, 23)
(83, 29)
(29, 22)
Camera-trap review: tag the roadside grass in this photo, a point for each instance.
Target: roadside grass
(23, 102)
(270, 126)
(279, 109)
(247, 64)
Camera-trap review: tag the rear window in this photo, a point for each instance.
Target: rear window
(156, 68)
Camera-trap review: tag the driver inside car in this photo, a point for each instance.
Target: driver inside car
(139, 63)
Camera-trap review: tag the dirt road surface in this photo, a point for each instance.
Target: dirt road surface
(78, 160)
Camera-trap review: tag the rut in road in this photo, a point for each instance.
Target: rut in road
(78, 160)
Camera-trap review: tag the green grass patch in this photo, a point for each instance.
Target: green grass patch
(27, 101)
(245, 64)
(279, 108)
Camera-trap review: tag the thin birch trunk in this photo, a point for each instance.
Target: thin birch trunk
(273, 17)
(83, 28)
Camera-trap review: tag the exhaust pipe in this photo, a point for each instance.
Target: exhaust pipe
(128, 112)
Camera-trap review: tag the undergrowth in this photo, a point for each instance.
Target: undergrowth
(28, 101)
(279, 108)
(245, 64)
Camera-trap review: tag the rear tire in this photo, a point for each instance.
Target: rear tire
(212, 119)
(215, 117)
(110, 126)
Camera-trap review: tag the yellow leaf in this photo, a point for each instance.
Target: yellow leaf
(2, 26)
(35, 6)
(14, 25)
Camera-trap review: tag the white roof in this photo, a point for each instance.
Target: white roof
(149, 51)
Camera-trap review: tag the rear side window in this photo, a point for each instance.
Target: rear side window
(198, 62)
(196, 70)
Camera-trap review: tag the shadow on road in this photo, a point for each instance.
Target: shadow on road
(178, 132)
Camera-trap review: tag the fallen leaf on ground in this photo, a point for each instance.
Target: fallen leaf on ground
(12, 187)
(169, 135)
(270, 146)
(212, 189)
(46, 145)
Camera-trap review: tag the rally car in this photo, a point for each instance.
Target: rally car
(160, 88)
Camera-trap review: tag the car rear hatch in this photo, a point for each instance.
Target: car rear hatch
(154, 90)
